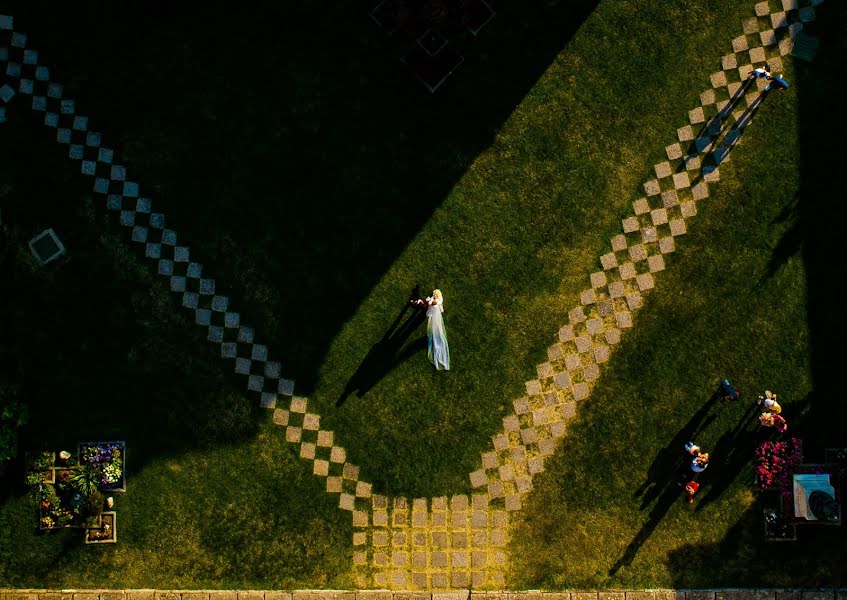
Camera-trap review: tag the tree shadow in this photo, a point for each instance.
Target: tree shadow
(290, 149)
(814, 229)
(386, 354)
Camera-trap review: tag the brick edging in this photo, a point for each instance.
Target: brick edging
(649, 594)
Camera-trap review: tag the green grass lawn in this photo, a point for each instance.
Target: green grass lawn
(320, 185)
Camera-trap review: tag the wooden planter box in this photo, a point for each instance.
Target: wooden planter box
(99, 535)
(119, 486)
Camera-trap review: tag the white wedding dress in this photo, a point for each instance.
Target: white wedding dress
(438, 350)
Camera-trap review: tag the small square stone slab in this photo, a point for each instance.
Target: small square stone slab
(280, 416)
(779, 19)
(6, 22)
(562, 381)
(168, 236)
(789, 4)
(26, 86)
(594, 326)
(762, 8)
(507, 472)
(13, 69)
(583, 343)
(757, 55)
(105, 155)
(697, 115)
(588, 297)
(178, 283)
(245, 334)
(153, 250)
(606, 308)
(601, 354)
(619, 243)
(544, 370)
(652, 188)
(76, 152)
(659, 216)
(591, 372)
(700, 190)
(285, 387)
(645, 282)
(572, 362)
(807, 14)
(576, 315)
(18, 40)
(566, 331)
(220, 303)
(681, 180)
(242, 365)
(649, 235)
(630, 224)
(337, 455)
(88, 167)
(718, 79)
(616, 289)
(613, 336)
(739, 44)
(92, 138)
(598, 279)
(521, 406)
(641, 206)
(623, 319)
(711, 174)
(298, 405)
(216, 334)
(684, 134)
(662, 169)
(627, 271)
(229, 349)
(232, 320)
(673, 151)
(669, 198)
(51, 119)
(775, 64)
(207, 287)
(634, 301)
(728, 62)
(533, 387)
(637, 253)
(688, 209)
(744, 71)
(706, 98)
(750, 25)
(692, 163)
(768, 38)
(580, 391)
(555, 352)
(677, 227)
(166, 267)
(656, 263)
(666, 245)
(609, 261)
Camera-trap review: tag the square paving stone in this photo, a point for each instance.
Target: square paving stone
(630, 224)
(591, 372)
(634, 301)
(513, 502)
(663, 169)
(652, 188)
(613, 336)
(580, 391)
(768, 38)
(677, 227)
(605, 308)
(594, 325)
(529, 435)
(601, 354)
(669, 198)
(673, 151)
(609, 261)
(666, 245)
(762, 8)
(511, 423)
(572, 362)
(533, 388)
(583, 342)
(692, 163)
(744, 71)
(521, 406)
(739, 44)
(656, 263)
(659, 216)
(681, 180)
(619, 243)
(649, 235)
(576, 315)
(334, 486)
(555, 352)
(598, 279)
(495, 490)
(645, 282)
(627, 271)
(642, 206)
(566, 331)
(507, 472)
(750, 25)
(255, 383)
(26, 86)
(779, 19)
(688, 209)
(337, 455)
(562, 381)
(616, 289)
(588, 297)
(718, 79)
(696, 115)
(789, 4)
(623, 320)
(711, 174)
(637, 253)
(706, 98)
(757, 55)
(729, 62)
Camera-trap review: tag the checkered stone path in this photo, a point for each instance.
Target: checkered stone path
(455, 542)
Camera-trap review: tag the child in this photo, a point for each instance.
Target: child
(760, 73)
(778, 83)
(769, 400)
(690, 489)
(773, 420)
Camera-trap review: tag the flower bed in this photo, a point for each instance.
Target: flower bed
(774, 461)
(105, 532)
(108, 459)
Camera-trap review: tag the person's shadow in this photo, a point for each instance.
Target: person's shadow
(386, 353)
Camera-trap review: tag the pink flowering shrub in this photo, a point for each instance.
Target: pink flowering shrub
(774, 461)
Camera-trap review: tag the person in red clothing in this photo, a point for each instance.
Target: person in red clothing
(690, 489)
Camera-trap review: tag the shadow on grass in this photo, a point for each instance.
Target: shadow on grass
(816, 226)
(289, 148)
(386, 353)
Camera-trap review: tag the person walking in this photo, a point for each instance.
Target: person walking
(700, 460)
(778, 83)
(760, 73)
(773, 420)
(437, 348)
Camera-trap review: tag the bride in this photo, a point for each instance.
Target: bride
(438, 350)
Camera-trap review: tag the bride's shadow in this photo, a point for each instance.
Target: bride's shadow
(386, 353)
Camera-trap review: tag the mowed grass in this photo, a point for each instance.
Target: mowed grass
(508, 220)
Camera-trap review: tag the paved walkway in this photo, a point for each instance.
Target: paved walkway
(460, 541)
(136, 594)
